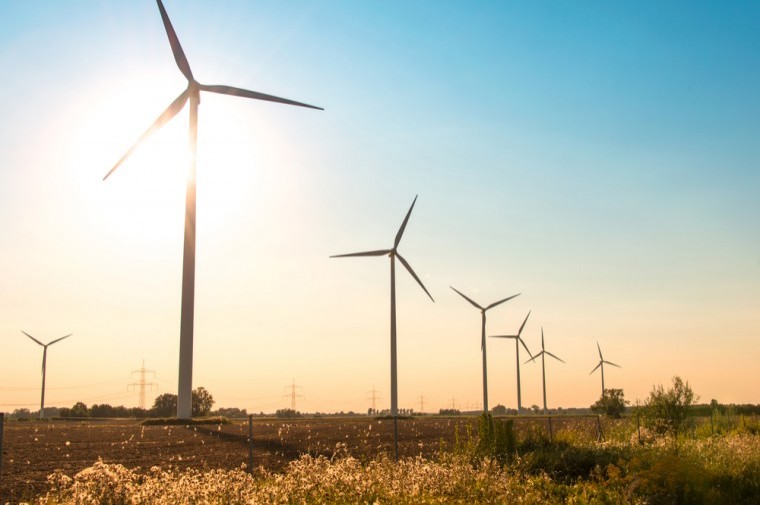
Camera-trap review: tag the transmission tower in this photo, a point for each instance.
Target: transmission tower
(143, 383)
(422, 404)
(374, 397)
(293, 394)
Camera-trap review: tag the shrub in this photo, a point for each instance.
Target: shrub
(612, 403)
(667, 411)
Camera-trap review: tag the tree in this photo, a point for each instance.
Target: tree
(78, 410)
(612, 403)
(667, 411)
(165, 405)
(499, 410)
(287, 413)
(21, 414)
(202, 401)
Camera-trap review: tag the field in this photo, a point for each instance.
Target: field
(442, 460)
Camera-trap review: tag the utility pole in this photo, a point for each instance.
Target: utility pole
(142, 383)
(374, 397)
(293, 394)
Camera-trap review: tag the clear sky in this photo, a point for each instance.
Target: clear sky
(601, 158)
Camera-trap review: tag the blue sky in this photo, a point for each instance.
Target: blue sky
(599, 157)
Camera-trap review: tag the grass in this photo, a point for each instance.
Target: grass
(496, 465)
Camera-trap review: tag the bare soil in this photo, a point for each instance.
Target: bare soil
(34, 449)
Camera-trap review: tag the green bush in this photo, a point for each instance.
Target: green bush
(666, 412)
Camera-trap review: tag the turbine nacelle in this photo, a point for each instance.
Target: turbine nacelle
(518, 337)
(193, 89)
(393, 252)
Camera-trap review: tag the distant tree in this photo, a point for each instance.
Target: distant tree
(536, 409)
(202, 401)
(667, 411)
(21, 414)
(449, 412)
(287, 413)
(79, 410)
(499, 410)
(231, 412)
(138, 413)
(714, 406)
(165, 405)
(612, 403)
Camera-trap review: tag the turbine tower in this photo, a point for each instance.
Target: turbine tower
(601, 364)
(44, 364)
(518, 341)
(544, 353)
(191, 94)
(393, 254)
(483, 338)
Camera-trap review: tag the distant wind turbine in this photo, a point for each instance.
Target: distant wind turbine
(601, 364)
(44, 362)
(191, 93)
(544, 353)
(393, 254)
(518, 341)
(483, 338)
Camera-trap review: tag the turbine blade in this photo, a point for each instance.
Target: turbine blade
(166, 116)
(542, 338)
(553, 356)
(494, 304)
(229, 90)
(59, 339)
(403, 225)
(600, 351)
(594, 370)
(409, 268)
(381, 252)
(525, 346)
(466, 298)
(533, 358)
(502, 336)
(613, 364)
(179, 54)
(28, 335)
(523, 325)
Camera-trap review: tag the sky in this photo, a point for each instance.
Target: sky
(599, 158)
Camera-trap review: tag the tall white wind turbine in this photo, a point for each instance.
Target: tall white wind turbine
(483, 311)
(191, 93)
(393, 254)
(544, 353)
(518, 340)
(601, 364)
(44, 366)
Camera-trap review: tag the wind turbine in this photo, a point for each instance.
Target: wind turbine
(518, 341)
(191, 93)
(44, 360)
(393, 254)
(483, 338)
(601, 364)
(543, 353)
